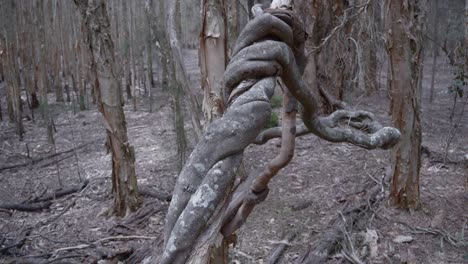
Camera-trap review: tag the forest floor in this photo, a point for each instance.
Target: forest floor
(304, 199)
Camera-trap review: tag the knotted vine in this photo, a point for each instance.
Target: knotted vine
(271, 46)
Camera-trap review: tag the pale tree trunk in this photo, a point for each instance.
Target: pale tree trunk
(435, 49)
(406, 17)
(96, 30)
(213, 58)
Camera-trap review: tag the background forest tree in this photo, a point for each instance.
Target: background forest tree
(403, 60)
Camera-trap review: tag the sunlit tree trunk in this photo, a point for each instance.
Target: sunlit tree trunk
(405, 17)
(213, 58)
(96, 29)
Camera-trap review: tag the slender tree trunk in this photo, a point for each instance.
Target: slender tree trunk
(132, 54)
(435, 49)
(65, 52)
(176, 90)
(12, 78)
(126, 55)
(181, 72)
(466, 60)
(149, 45)
(96, 29)
(405, 60)
(213, 58)
(367, 56)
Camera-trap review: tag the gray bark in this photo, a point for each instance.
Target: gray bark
(96, 30)
(206, 185)
(406, 17)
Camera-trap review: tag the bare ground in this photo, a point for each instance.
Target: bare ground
(304, 197)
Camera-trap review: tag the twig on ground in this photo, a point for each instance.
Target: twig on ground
(103, 240)
(280, 248)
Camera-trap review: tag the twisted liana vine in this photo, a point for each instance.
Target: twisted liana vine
(270, 46)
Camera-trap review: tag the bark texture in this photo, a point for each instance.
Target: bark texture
(96, 30)
(213, 58)
(206, 195)
(404, 46)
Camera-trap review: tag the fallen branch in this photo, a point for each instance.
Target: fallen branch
(136, 220)
(36, 160)
(60, 193)
(31, 207)
(151, 192)
(280, 248)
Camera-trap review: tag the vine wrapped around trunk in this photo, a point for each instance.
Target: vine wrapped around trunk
(206, 196)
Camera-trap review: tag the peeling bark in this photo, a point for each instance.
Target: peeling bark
(405, 52)
(96, 30)
(213, 58)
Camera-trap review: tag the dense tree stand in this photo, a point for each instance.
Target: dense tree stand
(208, 200)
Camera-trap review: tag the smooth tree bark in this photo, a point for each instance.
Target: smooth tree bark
(96, 31)
(406, 18)
(213, 57)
